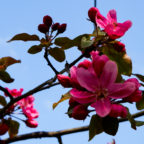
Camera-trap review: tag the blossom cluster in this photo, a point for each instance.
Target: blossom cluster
(27, 107)
(94, 84)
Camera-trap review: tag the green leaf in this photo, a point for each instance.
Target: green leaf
(3, 101)
(86, 42)
(57, 53)
(139, 123)
(140, 104)
(131, 120)
(35, 49)
(14, 127)
(95, 126)
(67, 43)
(25, 37)
(110, 125)
(140, 77)
(5, 77)
(122, 59)
(7, 61)
(63, 98)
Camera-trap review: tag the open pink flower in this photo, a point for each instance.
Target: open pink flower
(99, 85)
(113, 29)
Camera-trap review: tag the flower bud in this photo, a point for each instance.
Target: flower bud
(65, 81)
(80, 112)
(92, 13)
(55, 26)
(31, 123)
(43, 28)
(72, 102)
(3, 128)
(62, 28)
(47, 20)
(118, 110)
(120, 47)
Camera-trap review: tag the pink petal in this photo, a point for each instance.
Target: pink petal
(127, 24)
(101, 20)
(83, 97)
(121, 90)
(74, 81)
(112, 17)
(87, 80)
(85, 64)
(98, 62)
(109, 74)
(102, 107)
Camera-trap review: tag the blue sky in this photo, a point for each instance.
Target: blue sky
(24, 16)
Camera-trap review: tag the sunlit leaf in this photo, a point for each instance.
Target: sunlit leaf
(5, 77)
(110, 125)
(86, 42)
(7, 61)
(63, 98)
(35, 49)
(95, 126)
(25, 37)
(57, 53)
(122, 59)
(3, 101)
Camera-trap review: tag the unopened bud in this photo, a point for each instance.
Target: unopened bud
(47, 20)
(92, 14)
(55, 26)
(62, 28)
(43, 28)
(31, 123)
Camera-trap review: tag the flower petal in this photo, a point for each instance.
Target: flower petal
(102, 107)
(87, 80)
(83, 97)
(109, 74)
(111, 16)
(121, 90)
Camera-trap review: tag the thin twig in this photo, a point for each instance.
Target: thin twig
(57, 134)
(48, 61)
(6, 92)
(59, 139)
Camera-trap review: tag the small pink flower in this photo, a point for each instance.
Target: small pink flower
(99, 85)
(113, 29)
(118, 110)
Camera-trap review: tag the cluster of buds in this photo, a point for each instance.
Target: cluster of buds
(48, 26)
(27, 107)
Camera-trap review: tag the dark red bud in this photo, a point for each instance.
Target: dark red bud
(43, 28)
(47, 20)
(3, 128)
(92, 13)
(120, 47)
(62, 28)
(72, 102)
(31, 123)
(55, 26)
(80, 112)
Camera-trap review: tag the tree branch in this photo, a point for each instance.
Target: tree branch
(6, 92)
(58, 134)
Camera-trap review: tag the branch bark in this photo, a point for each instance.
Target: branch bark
(58, 134)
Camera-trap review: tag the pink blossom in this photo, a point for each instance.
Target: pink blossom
(113, 29)
(98, 83)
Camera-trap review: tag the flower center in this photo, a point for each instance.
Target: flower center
(101, 94)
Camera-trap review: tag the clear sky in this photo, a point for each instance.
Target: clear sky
(18, 16)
